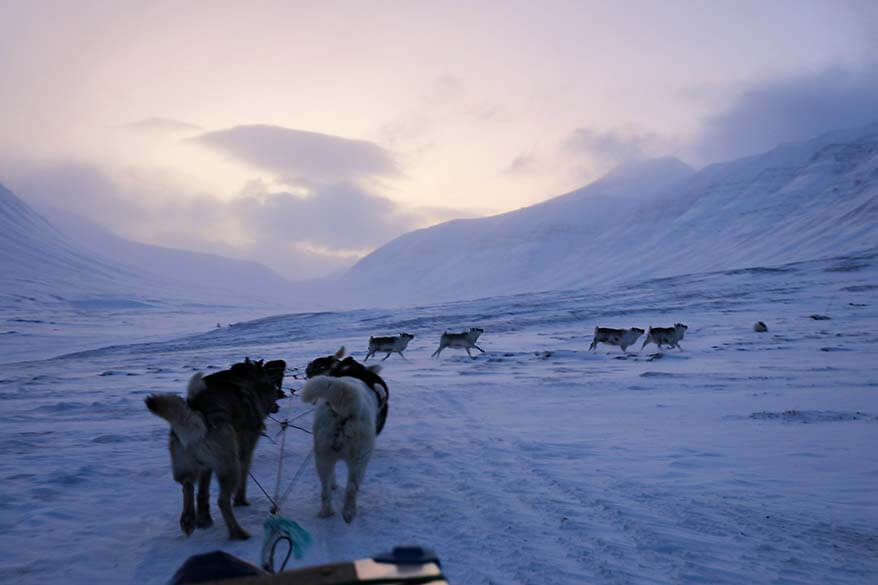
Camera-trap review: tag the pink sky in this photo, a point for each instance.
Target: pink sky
(319, 131)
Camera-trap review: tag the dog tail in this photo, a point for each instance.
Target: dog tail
(196, 385)
(340, 393)
(188, 425)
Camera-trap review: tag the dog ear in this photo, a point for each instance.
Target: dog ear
(376, 369)
(339, 354)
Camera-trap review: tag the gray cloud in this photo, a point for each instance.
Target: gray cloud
(298, 157)
(297, 236)
(69, 184)
(789, 109)
(616, 146)
(158, 125)
(521, 164)
(335, 217)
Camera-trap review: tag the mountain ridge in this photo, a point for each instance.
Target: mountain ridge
(90, 266)
(798, 201)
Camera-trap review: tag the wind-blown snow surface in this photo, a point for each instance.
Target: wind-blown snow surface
(745, 458)
(797, 202)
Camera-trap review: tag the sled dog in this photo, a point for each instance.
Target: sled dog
(394, 344)
(464, 340)
(344, 430)
(334, 365)
(621, 337)
(669, 336)
(215, 429)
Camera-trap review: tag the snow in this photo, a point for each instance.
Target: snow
(72, 262)
(191, 270)
(745, 458)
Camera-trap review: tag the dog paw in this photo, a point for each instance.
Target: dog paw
(349, 512)
(187, 523)
(325, 513)
(203, 521)
(241, 501)
(239, 534)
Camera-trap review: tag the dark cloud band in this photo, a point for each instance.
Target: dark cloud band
(300, 157)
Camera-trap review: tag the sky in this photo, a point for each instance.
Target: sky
(305, 135)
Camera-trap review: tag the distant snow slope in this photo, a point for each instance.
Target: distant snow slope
(796, 202)
(86, 266)
(195, 269)
(40, 263)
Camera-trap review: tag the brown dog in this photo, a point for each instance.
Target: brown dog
(215, 429)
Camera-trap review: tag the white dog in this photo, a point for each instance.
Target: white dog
(669, 336)
(464, 340)
(393, 344)
(344, 429)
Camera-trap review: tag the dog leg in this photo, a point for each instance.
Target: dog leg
(402, 356)
(368, 355)
(438, 351)
(202, 516)
(241, 494)
(478, 348)
(356, 472)
(228, 483)
(594, 344)
(387, 356)
(326, 471)
(468, 353)
(187, 518)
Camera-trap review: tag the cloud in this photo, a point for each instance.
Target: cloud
(298, 157)
(162, 126)
(72, 184)
(333, 217)
(299, 236)
(521, 164)
(789, 109)
(445, 90)
(614, 147)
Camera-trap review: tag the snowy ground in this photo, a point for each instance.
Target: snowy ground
(746, 458)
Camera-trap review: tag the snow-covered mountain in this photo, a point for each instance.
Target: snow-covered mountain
(650, 219)
(40, 263)
(191, 269)
(80, 263)
(797, 202)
